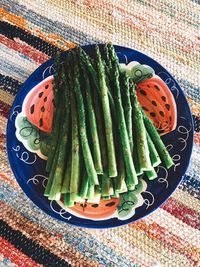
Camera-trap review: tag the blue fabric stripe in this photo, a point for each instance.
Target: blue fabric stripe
(9, 84)
(189, 89)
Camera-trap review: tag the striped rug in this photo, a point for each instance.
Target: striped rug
(31, 32)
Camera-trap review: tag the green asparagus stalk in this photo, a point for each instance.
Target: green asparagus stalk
(91, 172)
(87, 61)
(111, 190)
(97, 192)
(112, 167)
(138, 169)
(121, 172)
(90, 192)
(45, 141)
(151, 174)
(84, 179)
(67, 200)
(130, 169)
(106, 197)
(160, 147)
(59, 171)
(75, 165)
(107, 59)
(84, 187)
(100, 127)
(67, 177)
(105, 185)
(141, 138)
(124, 188)
(119, 154)
(102, 139)
(155, 159)
(56, 113)
(124, 83)
(51, 175)
(93, 126)
(53, 154)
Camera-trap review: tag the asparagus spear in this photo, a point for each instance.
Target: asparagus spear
(45, 141)
(106, 184)
(75, 166)
(121, 171)
(51, 175)
(106, 197)
(155, 159)
(59, 171)
(124, 83)
(135, 154)
(141, 138)
(91, 172)
(119, 154)
(67, 200)
(84, 58)
(112, 168)
(93, 126)
(102, 140)
(124, 188)
(53, 153)
(84, 186)
(90, 191)
(107, 58)
(67, 177)
(130, 169)
(160, 147)
(56, 113)
(151, 174)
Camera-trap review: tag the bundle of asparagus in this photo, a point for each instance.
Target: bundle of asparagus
(101, 141)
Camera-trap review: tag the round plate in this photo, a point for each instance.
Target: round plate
(29, 168)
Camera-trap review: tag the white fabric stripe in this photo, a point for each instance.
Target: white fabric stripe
(177, 227)
(15, 65)
(187, 200)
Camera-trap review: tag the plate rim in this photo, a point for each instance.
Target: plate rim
(85, 225)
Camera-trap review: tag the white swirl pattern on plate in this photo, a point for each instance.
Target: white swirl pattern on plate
(48, 71)
(61, 212)
(148, 201)
(25, 156)
(35, 180)
(167, 79)
(183, 130)
(163, 179)
(125, 56)
(15, 112)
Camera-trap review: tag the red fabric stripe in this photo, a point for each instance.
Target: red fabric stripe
(183, 213)
(24, 48)
(197, 138)
(15, 255)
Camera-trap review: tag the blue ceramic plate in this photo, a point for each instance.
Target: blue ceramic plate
(29, 167)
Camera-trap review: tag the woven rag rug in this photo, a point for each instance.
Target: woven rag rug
(31, 32)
